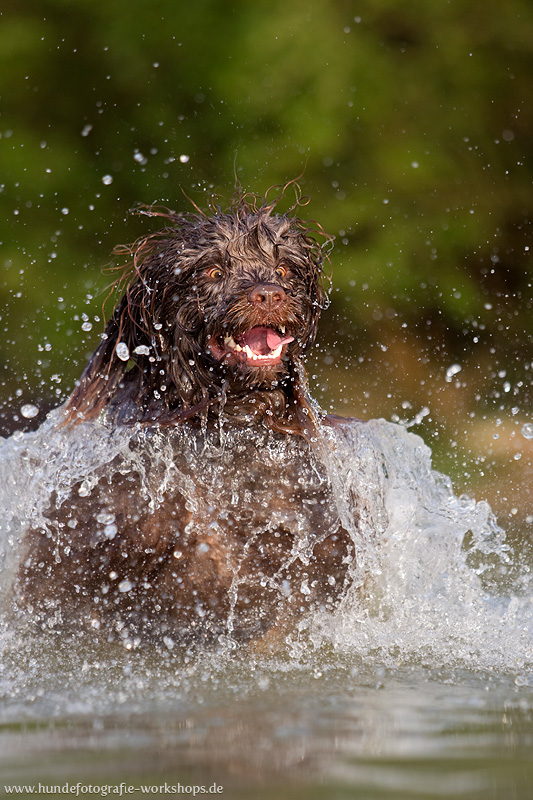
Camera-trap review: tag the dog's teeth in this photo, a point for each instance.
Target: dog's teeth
(231, 344)
(282, 329)
(251, 356)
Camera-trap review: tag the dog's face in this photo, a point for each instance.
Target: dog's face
(217, 305)
(230, 300)
(250, 300)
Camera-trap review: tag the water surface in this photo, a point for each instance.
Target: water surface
(418, 686)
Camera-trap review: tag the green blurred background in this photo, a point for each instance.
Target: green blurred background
(413, 124)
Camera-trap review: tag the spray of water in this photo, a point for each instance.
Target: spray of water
(433, 580)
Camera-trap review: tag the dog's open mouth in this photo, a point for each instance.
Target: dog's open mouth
(257, 347)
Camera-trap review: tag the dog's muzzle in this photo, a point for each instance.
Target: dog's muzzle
(261, 345)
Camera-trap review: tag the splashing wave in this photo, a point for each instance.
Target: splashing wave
(434, 580)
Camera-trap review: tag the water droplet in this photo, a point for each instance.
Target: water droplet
(184, 159)
(123, 351)
(125, 586)
(527, 430)
(452, 370)
(87, 326)
(110, 531)
(29, 410)
(105, 518)
(142, 350)
(107, 180)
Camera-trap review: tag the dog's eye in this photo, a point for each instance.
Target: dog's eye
(281, 271)
(215, 273)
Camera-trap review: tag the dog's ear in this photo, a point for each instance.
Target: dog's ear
(104, 371)
(319, 301)
(313, 326)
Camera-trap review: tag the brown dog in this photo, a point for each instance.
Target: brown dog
(220, 518)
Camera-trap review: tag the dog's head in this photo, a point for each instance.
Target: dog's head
(216, 305)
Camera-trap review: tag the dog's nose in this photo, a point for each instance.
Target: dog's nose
(268, 296)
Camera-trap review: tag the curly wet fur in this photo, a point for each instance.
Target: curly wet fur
(171, 306)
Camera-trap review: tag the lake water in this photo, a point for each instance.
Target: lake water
(419, 686)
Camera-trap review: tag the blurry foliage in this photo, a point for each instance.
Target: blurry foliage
(413, 122)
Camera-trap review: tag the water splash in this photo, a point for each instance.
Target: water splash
(434, 581)
(444, 587)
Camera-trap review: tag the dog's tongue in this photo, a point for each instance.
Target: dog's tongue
(263, 341)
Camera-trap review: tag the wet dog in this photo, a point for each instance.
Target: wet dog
(221, 520)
